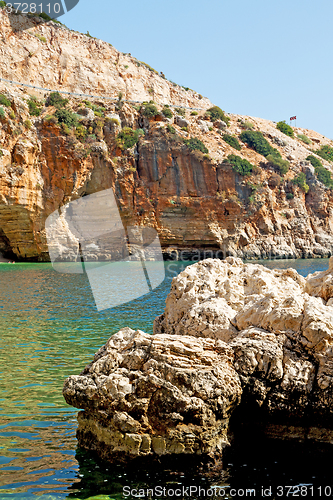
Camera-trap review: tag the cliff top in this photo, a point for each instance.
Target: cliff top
(49, 55)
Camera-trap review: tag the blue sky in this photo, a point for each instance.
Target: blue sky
(264, 58)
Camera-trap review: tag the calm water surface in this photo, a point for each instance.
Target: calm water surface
(49, 329)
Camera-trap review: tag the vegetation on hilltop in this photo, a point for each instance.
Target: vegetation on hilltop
(285, 128)
(257, 141)
(216, 113)
(304, 139)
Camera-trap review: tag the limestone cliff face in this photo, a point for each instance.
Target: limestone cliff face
(51, 56)
(197, 203)
(240, 349)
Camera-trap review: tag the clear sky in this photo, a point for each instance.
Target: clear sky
(265, 58)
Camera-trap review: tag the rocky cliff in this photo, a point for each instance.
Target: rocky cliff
(200, 202)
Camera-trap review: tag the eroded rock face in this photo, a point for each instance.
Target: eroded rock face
(160, 394)
(78, 63)
(236, 343)
(198, 204)
(217, 299)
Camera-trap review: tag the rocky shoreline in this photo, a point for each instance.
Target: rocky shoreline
(259, 253)
(238, 346)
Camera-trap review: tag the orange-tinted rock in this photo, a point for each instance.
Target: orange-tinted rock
(196, 202)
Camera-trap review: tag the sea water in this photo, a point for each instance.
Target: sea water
(50, 329)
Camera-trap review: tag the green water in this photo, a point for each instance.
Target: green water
(49, 329)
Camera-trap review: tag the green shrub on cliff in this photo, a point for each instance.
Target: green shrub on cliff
(180, 112)
(2, 113)
(4, 101)
(65, 116)
(45, 16)
(326, 152)
(304, 139)
(323, 175)
(245, 125)
(139, 63)
(239, 165)
(81, 131)
(150, 110)
(195, 144)
(98, 110)
(128, 137)
(285, 128)
(35, 107)
(167, 112)
(257, 141)
(216, 113)
(56, 100)
(315, 162)
(232, 141)
(50, 119)
(300, 181)
(2, 4)
(279, 163)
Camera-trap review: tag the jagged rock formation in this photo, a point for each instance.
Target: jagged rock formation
(235, 339)
(160, 394)
(199, 205)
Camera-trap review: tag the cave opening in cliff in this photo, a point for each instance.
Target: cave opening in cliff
(6, 251)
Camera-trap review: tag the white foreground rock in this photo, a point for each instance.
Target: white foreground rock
(232, 335)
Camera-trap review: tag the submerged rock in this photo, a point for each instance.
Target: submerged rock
(238, 345)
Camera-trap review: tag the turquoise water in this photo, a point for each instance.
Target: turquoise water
(49, 329)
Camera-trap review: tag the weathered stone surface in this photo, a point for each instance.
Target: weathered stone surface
(220, 124)
(87, 115)
(180, 121)
(218, 298)
(155, 395)
(204, 126)
(320, 283)
(233, 336)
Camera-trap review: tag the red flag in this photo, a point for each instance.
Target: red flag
(293, 118)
